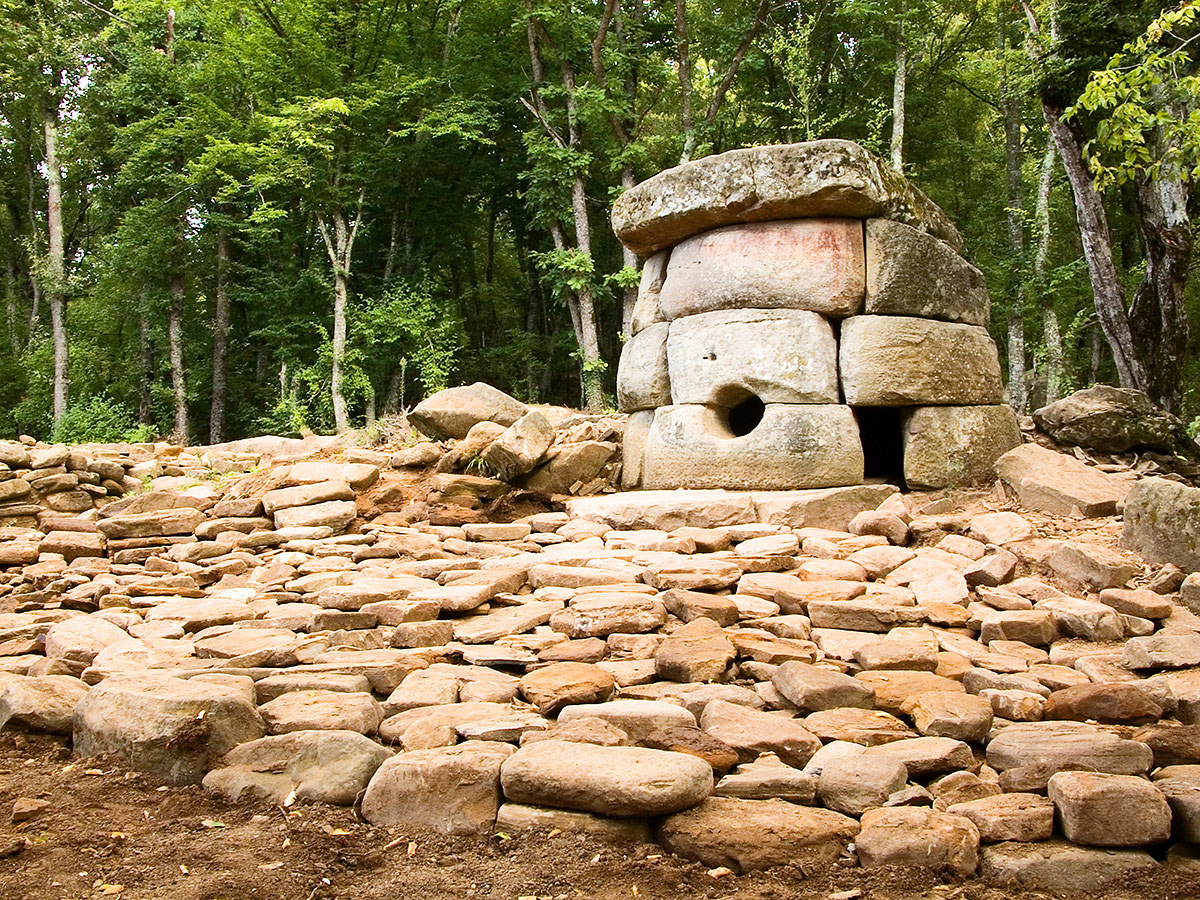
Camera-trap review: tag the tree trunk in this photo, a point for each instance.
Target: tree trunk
(56, 287)
(685, 81)
(629, 260)
(1017, 393)
(340, 247)
(1098, 251)
(1158, 317)
(899, 86)
(10, 305)
(144, 365)
(216, 425)
(1051, 335)
(175, 344)
(394, 398)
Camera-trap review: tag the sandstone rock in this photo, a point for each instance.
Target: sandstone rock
(568, 465)
(517, 817)
(322, 710)
(599, 615)
(776, 355)
(692, 605)
(451, 413)
(818, 688)
(1009, 817)
(1058, 484)
(956, 446)
(752, 733)
(854, 784)
(311, 766)
(902, 361)
(643, 381)
(918, 837)
(1163, 650)
(698, 651)
(503, 623)
(170, 728)
(1059, 867)
(694, 742)
(1090, 565)
(636, 718)
(818, 178)
(1172, 745)
(450, 790)
(1057, 746)
(924, 756)
(39, 703)
(305, 495)
(1162, 522)
(566, 683)
(335, 514)
(913, 274)
(1121, 703)
(792, 446)
(80, 638)
(73, 545)
(960, 716)
(803, 264)
(156, 523)
(1114, 420)
(617, 781)
(1104, 810)
(746, 835)
(519, 448)
(766, 778)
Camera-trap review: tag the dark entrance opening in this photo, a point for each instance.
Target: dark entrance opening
(882, 443)
(745, 414)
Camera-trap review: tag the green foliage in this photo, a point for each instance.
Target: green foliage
(1147, 103)
(99, 420)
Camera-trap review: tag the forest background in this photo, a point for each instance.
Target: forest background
(226, 218)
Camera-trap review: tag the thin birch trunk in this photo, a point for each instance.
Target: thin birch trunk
(56, 264)
(216, 425)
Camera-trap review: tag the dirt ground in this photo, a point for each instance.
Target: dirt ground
(114, 833)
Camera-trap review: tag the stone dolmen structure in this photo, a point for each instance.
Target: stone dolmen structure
(804, 320)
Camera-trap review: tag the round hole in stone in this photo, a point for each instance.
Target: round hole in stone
(740, 411)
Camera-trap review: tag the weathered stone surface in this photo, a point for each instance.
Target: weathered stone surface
(599, 615)
(518, 449)
(502, 623)
(167, 727)
(1058, 867)
(692, 574)
(768, 778)
(648, 308)
(1086, 564)
(643, 380)
(909, 836)
(318, 709)
(335, 514)
(1120, 703)
(305, 495)
(39, 703)
(451, 413)
(155, 523)
(1162, 522)
(692, 605)
(963, 717)
(854, 784)
(814, 688)
(746, 835)
(1009, 817)
(1114, 420)
(818, 178)
(1057, 746)
(73, 545)
(752, 732)
(1057, 483)
(519, 817)
(566, 683)
(698, 651)
(614, 781)
(924, 756)
(904, 361)
(568, 465)
(451, 790)
(913, 274)
(1163, 650)
(777, 355)
(804, 264)
(637, 718)
(1104, 810)
(793, 446)
(956, 446)
(311, 766)
(80, 638)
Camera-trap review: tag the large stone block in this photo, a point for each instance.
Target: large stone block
(777, 355)
(757, 184)
(1162, 522)
(633, 447)
(793, 446)
(1057, 483)
(913, 274)
(809, 264)
(1104, 810)
(956, 446)
(642, 379)
(452, 412)
(905, 361)
(648, 308)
